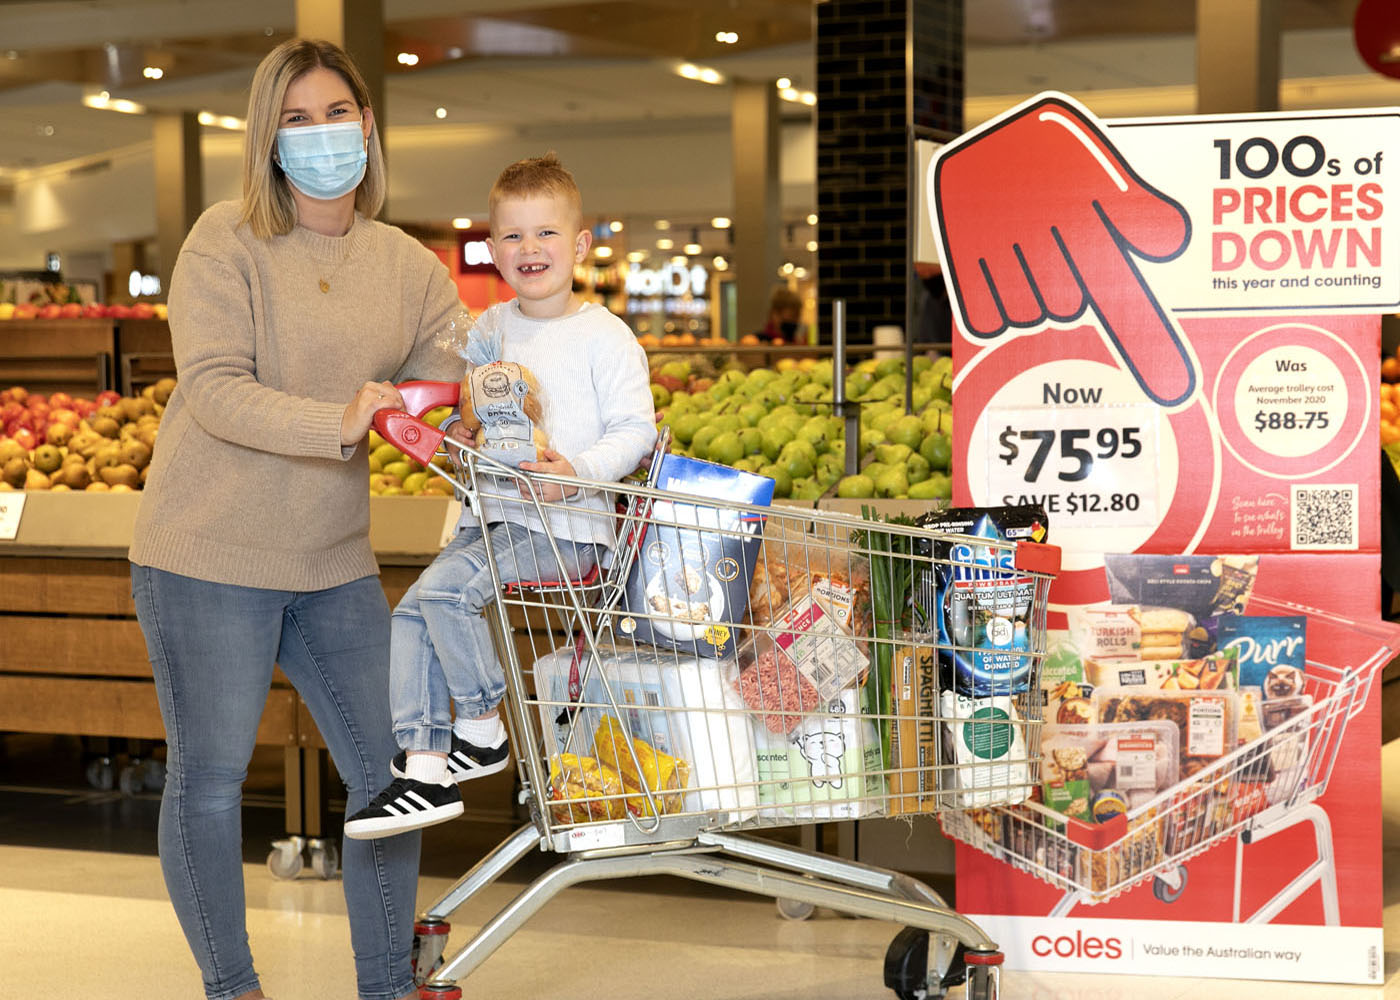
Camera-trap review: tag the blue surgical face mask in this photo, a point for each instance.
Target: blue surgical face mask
(323, 161)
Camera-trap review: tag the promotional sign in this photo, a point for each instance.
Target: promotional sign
(1168, 337)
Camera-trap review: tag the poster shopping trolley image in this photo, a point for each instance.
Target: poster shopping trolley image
(1167, 335)
(736, 667)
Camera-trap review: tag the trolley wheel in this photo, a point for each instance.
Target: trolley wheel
(325, 859)
(1164, 891)
(431, 991)
(153, 774)
(131, 781)
(792, 909)
(285, 860)
(983, 974)
(429, 942)
(101, 774)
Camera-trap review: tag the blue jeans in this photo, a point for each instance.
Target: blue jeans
(441, 654)
(212, 647)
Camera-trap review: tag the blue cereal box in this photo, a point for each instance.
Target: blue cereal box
(689, 588)
(1272, 651)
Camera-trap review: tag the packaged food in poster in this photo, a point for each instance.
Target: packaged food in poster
(689, 586)
(1286, 730)
(666, 777)
(1206, 673)
(1065, 685)
(1272, 651)
(500, 400)
(1105, 634)
(1201, 586)
(984, 741)
(915, 743)
(828, 767)
(1138, 760)
(979, 602)
(1205, 720)
(682, 707)
(583, 791)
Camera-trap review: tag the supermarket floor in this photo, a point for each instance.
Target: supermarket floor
(83, 913)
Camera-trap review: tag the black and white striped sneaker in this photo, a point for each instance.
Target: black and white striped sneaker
(405, 805)
(464, 761)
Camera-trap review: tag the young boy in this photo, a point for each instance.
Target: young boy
(600, 424)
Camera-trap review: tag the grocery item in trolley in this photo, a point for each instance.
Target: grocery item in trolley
(1206, 673)
(583, 791)
(828, 767)
(666, 777)
(984, 739)
(915, 740)
(981, 605)
(679, 706)
(689, 587)
(1205, 720)
(1135, 760)
(500, 401)
(1202, 586)
(1272, 651)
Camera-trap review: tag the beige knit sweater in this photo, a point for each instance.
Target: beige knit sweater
(249, 484)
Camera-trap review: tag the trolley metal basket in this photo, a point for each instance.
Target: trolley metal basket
(1266, 786)
(736, 668)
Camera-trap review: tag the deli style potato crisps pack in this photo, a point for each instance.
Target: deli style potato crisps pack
(1199, 585)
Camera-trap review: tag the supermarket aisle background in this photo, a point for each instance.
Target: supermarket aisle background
(82, 906)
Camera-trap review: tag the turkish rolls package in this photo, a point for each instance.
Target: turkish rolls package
(689, 588)
(983, 611)
(680, 707)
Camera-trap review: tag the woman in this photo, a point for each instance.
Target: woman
(292, 314)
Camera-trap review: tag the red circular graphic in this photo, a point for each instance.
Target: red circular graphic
(411, 434)
(1189, 507)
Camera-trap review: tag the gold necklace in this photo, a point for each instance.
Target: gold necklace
(325, 282)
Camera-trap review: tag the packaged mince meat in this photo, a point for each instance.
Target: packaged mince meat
(979, 604)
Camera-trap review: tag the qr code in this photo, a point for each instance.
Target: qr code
(1325, 517)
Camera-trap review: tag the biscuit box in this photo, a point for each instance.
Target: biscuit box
(980, 605)
(689, 587)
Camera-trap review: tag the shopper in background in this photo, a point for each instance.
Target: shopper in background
(784, 316)
(599, 421)
(292, 313)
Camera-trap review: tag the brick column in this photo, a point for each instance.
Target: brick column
(881, 65)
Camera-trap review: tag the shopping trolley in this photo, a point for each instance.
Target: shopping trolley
(737, 668)
(1264, 787)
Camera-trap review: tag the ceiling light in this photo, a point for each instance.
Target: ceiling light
(812, 219)
(454, 53)
(152, 72)
(721, 264)
(811, 246)
(783, 83)
(720, 222)
(441, 112)
(44, 129)
(615, 225)
(799, 272)
(708, 75)
(689, 70)
(692, 248)
(679, 261)
(637, 256)
(665, 243)
(788, 93)
(231, 123)
(206, 118)
(602, 251)
(461, 222)
(808, 98)
(788, 267)
(663, 224)
(407, 59)
(727, 37)
(108, 103)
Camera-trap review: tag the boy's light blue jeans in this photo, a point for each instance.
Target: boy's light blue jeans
(441, 653)
(212, 647)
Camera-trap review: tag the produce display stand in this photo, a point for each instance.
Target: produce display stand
(73, 659)
(84, 356)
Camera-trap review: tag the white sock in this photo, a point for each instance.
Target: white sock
(488, 732)
(429, 768)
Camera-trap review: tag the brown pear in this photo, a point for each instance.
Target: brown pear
(123, 475)
(162, 390)
(36, 480)
(14, 471)
(135, 453)
(74, 475)
(107, 426)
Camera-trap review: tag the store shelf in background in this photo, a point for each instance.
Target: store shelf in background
(58, 355)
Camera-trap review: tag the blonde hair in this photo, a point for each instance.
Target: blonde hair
(540, 175)
(268, 208)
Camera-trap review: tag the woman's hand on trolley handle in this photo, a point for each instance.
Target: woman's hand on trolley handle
(554, 464)
(369, 400)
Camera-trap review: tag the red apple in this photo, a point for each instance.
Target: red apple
(61, 400)
(64, 415)
(143, 310)
(84, 408)
(18, 393)
(25, 438)
(38, 408)
(25, 311)
(70, 310)
(107, 397)
(94, 310)
(118, 312)
(10, 410)
(50, 311)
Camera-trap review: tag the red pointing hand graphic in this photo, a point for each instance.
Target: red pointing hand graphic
(1041, 218)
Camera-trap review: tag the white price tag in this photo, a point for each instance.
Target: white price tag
(11, 508)
(449, 522)
(1088, 466)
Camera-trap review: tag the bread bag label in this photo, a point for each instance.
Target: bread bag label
(498, 391)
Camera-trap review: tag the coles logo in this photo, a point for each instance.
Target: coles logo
(1081, 945)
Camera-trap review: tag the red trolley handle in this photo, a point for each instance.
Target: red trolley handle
(404, 430)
